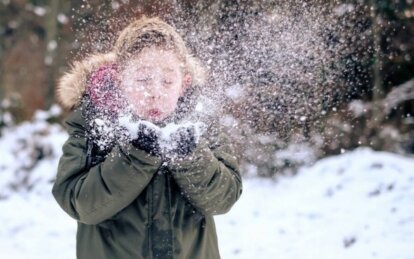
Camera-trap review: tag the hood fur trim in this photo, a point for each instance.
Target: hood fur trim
(71, 86)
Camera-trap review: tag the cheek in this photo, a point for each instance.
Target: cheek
(172, 94)
(130, 94)
(135, 99)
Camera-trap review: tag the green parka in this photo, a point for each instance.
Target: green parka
(133, 205)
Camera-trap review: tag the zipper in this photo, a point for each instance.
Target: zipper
(150, 207)
(150, 191)
(169, 211)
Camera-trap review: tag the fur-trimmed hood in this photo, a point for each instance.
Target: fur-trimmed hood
(72, 85)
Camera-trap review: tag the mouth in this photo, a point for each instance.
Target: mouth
(154, 113)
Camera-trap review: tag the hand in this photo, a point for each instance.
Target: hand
(183, 141)
(147, 139)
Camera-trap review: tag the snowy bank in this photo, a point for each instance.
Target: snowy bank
(356, 205)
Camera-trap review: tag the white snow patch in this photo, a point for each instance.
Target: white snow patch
(199, 107)
(39, 10)
(234, 92)
(165, 134)
(62, 18)
(29, 153)
(342, 9)
(358, 205)
(228, 121)
(54, 111)
(52, 45)
(300, 153)
(357, 107)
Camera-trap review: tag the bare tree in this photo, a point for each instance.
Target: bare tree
(51, 45)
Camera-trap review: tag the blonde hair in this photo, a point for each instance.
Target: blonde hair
(147, 32)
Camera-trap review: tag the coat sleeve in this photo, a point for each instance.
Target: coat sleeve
(96, 194)
(209, 178)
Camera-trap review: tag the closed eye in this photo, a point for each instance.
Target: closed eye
(144, 79)
(168, 82)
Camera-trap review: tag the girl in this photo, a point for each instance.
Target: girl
(132, 198)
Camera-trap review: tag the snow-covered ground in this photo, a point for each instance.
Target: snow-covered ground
(356, 205)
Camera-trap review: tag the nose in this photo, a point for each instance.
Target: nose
(155, 90)
(155, 97)
(154, 93)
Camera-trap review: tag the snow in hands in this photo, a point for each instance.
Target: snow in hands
(168, 136)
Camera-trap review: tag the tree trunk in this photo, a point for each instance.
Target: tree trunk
(377, 90)
(2, 95)
(51, 46)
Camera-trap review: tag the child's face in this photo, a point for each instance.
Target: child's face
(152, 82)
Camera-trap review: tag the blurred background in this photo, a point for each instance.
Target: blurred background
(360, 55)
(294, 83)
